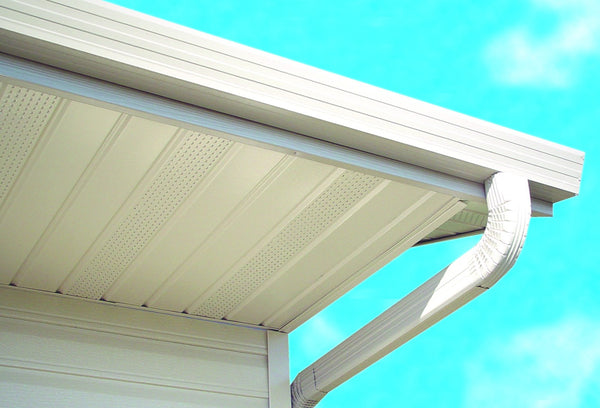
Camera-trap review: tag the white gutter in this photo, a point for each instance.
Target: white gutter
(464, 279)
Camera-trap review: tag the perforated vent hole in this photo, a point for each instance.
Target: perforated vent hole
(24, 114)
(183, 171)
(338, 198)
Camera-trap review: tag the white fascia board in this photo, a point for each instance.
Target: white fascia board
(129, 48)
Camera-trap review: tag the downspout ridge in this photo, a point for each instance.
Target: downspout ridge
(509, 205)
(300, 396)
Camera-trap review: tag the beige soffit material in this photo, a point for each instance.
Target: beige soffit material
(100, 203)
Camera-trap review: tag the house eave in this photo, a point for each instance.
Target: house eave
(123, 47)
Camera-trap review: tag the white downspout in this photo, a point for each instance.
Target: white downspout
(509, 206)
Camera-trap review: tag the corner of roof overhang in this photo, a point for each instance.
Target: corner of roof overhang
(509, 206)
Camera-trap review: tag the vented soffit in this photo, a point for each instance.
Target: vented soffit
(103, 204)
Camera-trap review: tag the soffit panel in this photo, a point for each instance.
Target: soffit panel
(349, 250)
(103, 204)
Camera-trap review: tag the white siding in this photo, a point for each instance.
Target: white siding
(57, 351)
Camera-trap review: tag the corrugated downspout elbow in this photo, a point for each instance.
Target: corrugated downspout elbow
(509, 206)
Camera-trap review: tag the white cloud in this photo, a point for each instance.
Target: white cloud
(520, 57)
(546, 367)
(318, 336)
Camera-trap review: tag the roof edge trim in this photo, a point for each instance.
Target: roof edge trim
(121, 46)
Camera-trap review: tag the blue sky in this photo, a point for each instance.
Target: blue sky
(532, 65)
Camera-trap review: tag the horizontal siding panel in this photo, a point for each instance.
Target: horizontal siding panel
(133, 359)
(29, 387)
(66, 311)
(127, 351)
